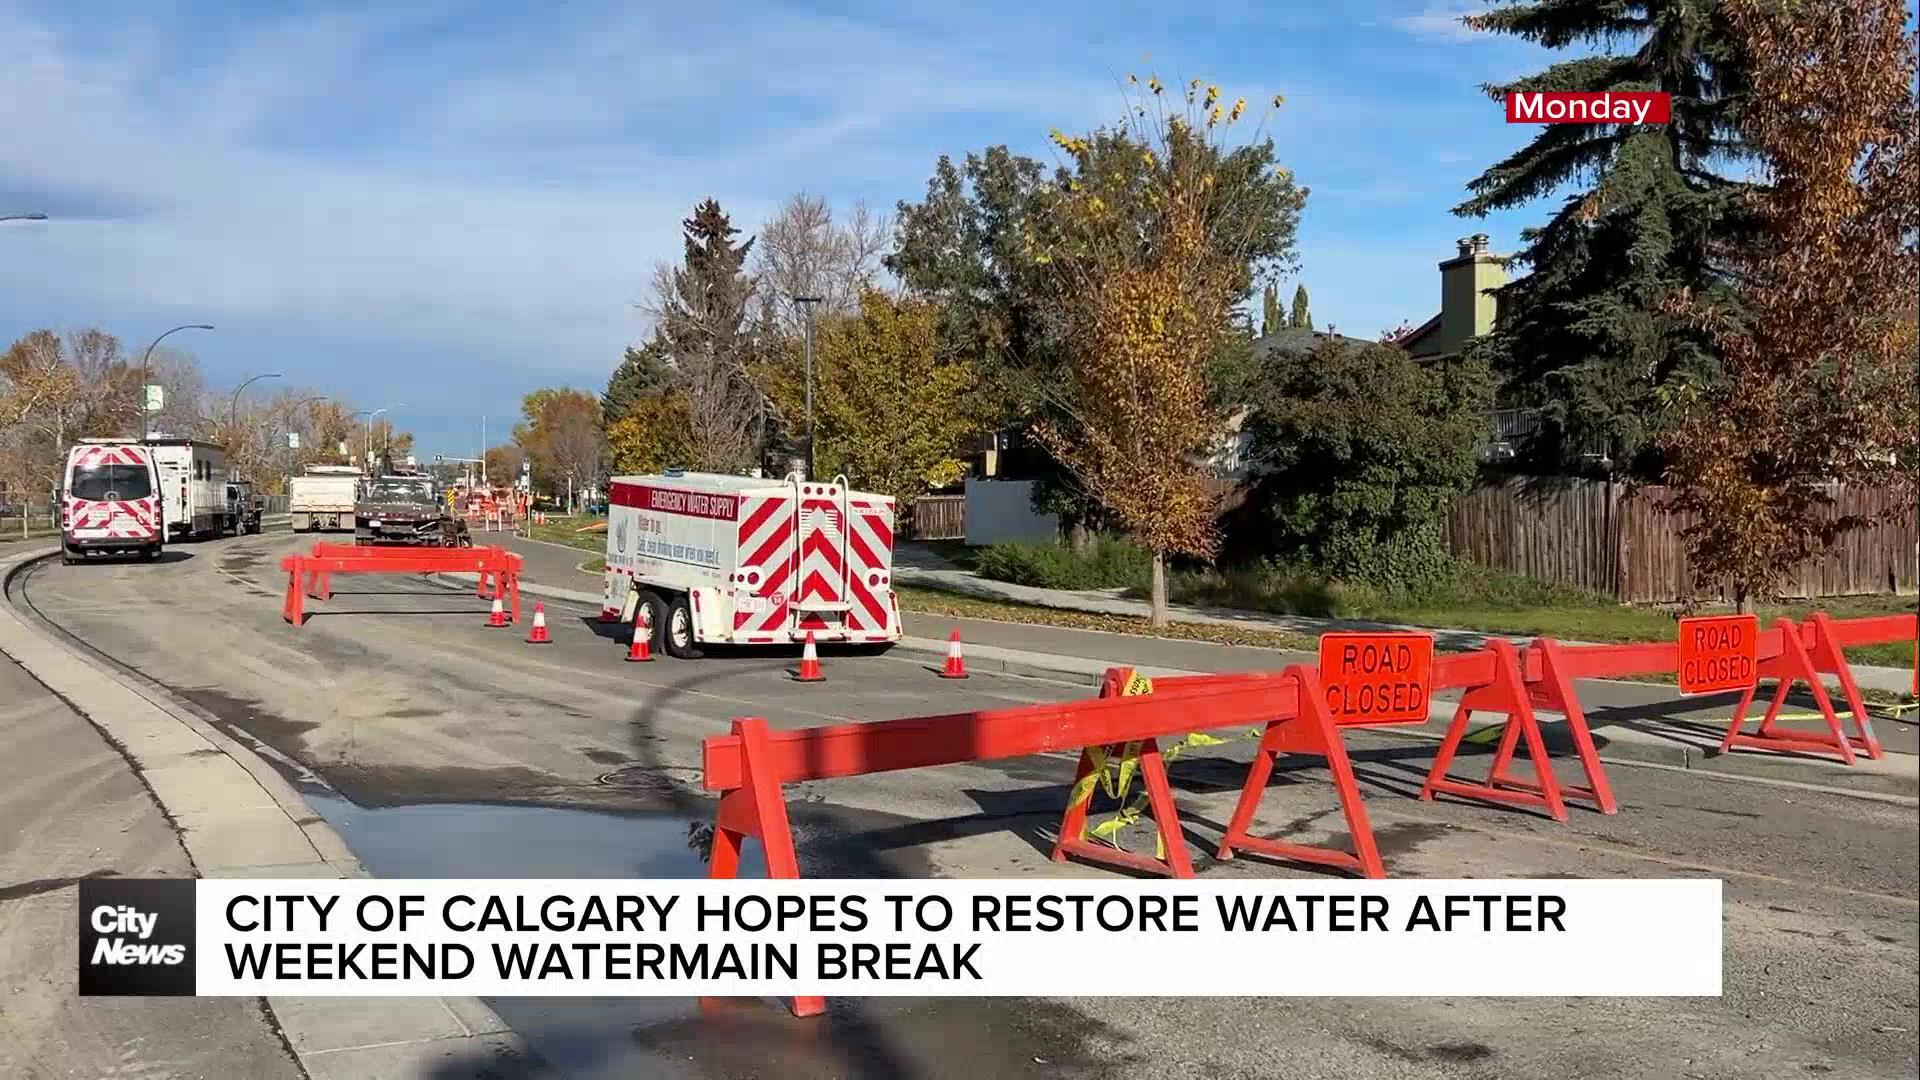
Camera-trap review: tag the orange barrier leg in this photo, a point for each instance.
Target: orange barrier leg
(1829, 657)
(1554, 692)
(1796, 664)
(1072, 840)
(1507, 693)
(757, 809)
(1311, 732)
(292, 609)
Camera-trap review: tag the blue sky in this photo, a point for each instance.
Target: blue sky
(444, 205)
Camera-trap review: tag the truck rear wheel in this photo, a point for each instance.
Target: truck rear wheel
(679, 629)
(656, 618)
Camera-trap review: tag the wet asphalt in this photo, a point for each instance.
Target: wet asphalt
(439, 747)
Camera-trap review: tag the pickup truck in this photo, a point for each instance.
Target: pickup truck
(406, 510)
(244, 508)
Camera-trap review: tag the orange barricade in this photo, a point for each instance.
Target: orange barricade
(1503, 683)
(749, 765)
(1311, 731)
(1791, 653)
(312, 574)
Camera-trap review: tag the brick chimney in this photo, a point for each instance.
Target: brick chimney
(1466, 300)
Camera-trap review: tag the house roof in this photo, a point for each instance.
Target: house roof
(1422, 340)
(1298, 341)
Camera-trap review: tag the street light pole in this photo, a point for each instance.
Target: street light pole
(233, 407)
(809, 303)
(146, 359)
(371, 417)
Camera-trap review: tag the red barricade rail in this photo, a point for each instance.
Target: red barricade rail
(750, 765)
(311, 574)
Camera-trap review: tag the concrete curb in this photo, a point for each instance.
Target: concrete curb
(237, 817)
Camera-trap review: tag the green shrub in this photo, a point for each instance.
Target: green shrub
(1109, 562)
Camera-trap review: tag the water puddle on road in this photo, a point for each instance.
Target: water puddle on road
(594, 1038)
(504, 840)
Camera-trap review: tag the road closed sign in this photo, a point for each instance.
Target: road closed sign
(1719, 652)
(1376, 678)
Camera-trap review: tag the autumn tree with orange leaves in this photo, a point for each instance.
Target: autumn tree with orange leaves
(1819, 377)
(1149, 265)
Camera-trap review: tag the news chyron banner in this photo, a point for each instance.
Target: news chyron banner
(947, 938)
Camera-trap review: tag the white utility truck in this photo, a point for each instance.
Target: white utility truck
(193, 486)
(110, 501)
(323, 499)
(749, 561)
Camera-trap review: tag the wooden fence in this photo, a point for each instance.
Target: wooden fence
(939, 517)
(1604, 537)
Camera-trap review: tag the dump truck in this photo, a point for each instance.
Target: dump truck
(406, 509)
(323, 498)
(751, 561)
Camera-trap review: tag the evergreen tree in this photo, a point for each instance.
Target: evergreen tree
(1270, 309)
(1302, 318)
(701, 311)
(1588, 335)
(646, 371)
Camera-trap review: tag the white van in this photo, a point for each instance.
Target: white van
(110, 501)
(193, 486)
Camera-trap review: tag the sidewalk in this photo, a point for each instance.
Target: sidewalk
(229, 814)
(1638, 722)
(74, 809)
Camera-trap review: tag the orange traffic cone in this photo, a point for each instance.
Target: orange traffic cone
(497, 617)
(642, 647)
(538, 636)
(956, 664)
(809, 664)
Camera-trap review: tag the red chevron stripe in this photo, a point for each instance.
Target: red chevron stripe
(817, 542)
(775, 578)
(881, 530)
(775, 620)
(862, 554)
(816, 585)
(758, 518)
(867, 600)
(779, 538)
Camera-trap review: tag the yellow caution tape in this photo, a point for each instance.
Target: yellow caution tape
(1118, 782)
(1485, 735)
(1871, 715)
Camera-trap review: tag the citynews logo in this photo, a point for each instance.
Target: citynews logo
(136, 937)
(1589, 107)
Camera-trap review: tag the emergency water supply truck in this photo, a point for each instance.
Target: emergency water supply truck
(750, 561)
(110, 501)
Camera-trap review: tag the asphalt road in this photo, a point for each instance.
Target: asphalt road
(438, 746)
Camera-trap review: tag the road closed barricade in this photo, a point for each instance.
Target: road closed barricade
(310, 575)
(1791, 653)
(751, 764)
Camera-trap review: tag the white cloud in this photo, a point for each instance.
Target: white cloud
(516, 211)
(1441, 22)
